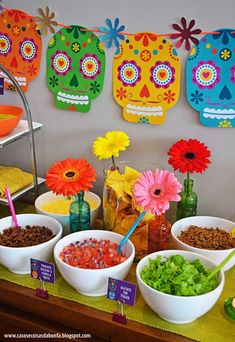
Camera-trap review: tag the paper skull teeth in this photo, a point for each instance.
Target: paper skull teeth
(146, 78)
(210, 79)
(75, 68)
(20, 47)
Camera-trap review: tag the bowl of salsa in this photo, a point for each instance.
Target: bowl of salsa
(86, 260)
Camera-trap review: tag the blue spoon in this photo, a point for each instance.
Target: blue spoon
(131, 230)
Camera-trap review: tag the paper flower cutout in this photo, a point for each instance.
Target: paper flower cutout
(70, 176)
(154, 190)
(112, 33)
(189, 156)
(146, 36)
(45, 21)
(224, 35)
(186, 33)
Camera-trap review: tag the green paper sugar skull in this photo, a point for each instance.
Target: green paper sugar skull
(75, 68)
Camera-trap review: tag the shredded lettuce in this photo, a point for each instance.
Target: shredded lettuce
(178, 276)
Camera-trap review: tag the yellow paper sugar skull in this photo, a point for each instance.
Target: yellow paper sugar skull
(146, 78)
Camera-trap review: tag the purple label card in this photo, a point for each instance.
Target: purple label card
(122, 291)
(1, 85)
(42, 270)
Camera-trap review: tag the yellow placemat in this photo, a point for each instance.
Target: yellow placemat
(13, 178)
(214, 326)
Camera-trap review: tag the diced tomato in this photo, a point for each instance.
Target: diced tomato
(92, 254)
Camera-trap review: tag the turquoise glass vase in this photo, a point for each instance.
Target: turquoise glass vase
(188, 204)
(79, 214)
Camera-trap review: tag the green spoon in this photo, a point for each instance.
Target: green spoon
(218, 268)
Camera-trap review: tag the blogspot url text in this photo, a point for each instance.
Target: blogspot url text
(48, 335)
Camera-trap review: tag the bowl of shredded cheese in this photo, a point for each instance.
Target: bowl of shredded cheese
(57, 206)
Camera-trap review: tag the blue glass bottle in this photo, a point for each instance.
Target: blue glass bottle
(79, 213)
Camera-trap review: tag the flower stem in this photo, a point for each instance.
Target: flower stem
(114, 167)
(188, 176)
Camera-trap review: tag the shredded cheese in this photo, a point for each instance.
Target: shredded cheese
(61, 206)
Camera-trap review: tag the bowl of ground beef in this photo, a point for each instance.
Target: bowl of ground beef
(207, 235)
(35, 238)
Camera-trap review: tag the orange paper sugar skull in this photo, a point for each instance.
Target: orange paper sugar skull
(20, 47)
(146, 78)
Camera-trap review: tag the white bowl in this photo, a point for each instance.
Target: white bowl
(204, 221)
(17, 259)
(178, 309)
(64, 219)
(93, 282)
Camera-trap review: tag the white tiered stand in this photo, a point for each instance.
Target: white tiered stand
(24, 128)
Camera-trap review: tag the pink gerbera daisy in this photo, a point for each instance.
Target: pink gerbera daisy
(154, 190)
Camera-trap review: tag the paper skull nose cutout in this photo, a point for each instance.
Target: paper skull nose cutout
(75, 68)
(20, 48)
(146, 78)
(210, 79)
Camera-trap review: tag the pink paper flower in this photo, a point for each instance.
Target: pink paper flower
(154, 190)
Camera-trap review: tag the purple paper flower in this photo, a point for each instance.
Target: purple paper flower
(185, 33)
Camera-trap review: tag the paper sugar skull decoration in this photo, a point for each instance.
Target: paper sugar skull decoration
(20, 47)
(75, 68)
(210, 79)
(146, 78)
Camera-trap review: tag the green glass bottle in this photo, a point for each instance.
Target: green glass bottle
(79, 214)
(188, 203)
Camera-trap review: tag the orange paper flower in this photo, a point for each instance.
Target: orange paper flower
(70, 176)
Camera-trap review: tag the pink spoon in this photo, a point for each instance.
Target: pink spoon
(12, 209)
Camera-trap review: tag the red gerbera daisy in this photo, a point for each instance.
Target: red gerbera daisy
(70, 176)
(189, 156)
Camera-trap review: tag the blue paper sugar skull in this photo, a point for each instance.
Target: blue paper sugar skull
(210, 79)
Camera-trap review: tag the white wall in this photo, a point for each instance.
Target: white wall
(70, 134)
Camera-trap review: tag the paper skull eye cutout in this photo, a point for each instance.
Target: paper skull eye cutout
(210, 79)
(20, 48)
(146, 78)
(75, 68)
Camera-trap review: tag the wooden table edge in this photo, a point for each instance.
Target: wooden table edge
(77, 317)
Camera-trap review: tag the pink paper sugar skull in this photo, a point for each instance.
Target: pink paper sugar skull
(20, 48)
(146, 78)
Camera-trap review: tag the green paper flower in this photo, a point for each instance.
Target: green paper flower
(95, 87)
(144, 120)
(53, 81)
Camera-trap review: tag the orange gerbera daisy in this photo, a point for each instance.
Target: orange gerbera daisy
(70, 176)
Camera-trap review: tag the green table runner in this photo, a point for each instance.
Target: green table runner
(213, 326)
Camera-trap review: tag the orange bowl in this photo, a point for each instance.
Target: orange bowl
(9, 118)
